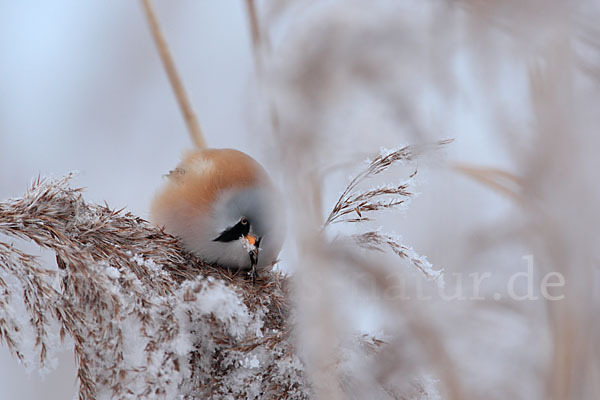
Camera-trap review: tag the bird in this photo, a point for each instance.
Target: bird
(223, 207)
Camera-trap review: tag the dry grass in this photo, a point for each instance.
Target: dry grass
(534, 67)
(129, 296)
(185, 105)
(356, 205)
(117, 274)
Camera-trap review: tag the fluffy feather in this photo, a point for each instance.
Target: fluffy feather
(209, 192)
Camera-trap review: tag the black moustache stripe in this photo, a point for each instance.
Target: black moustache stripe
(233, 233)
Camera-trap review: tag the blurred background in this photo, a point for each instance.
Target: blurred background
(514, 83)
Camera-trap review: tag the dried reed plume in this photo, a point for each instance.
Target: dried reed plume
(147, 320)
(371, 202)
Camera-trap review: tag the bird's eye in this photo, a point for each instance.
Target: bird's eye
(235, 232)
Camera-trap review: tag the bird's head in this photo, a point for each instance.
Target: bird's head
(248, 230)
(242, 233)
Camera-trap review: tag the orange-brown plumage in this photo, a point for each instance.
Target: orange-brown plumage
(203, 174)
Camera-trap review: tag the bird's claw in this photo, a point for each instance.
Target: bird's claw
(253, 273)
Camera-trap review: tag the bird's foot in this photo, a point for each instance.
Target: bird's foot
(253, 273)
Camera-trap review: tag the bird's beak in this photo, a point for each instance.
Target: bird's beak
(253, 253)
(253, 250)
(251, 239)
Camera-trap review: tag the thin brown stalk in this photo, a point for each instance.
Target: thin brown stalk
(501, 181)
(184, 103)
(261, 43)
(255, 33)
